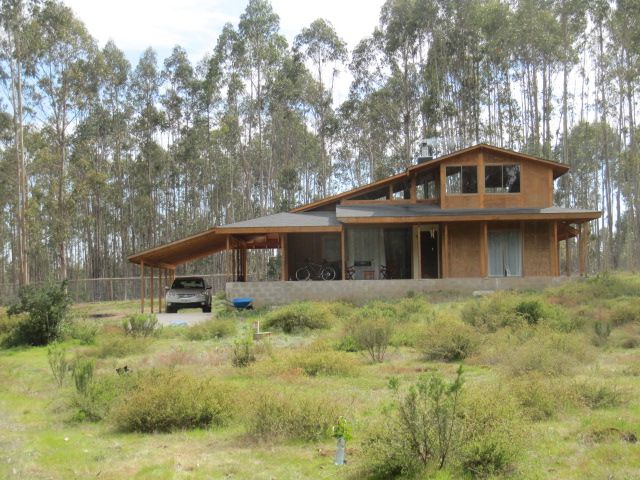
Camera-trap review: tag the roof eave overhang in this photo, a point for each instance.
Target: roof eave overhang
(581, 217)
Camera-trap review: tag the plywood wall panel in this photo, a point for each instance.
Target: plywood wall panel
(464, 250)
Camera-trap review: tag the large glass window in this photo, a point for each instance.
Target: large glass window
(502, 178)
(427, 185)
(462, 179)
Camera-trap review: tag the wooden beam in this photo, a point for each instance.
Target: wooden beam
(151, 294)
(567, 257)
(445, 251)
(583, 244)
(484, 251)
(284, 267)
(142, 286)
(413, 190)
(553, 249)
(472, 218)
(343, 257)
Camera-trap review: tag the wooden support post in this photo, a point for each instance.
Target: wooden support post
(228, 252)
(567, 255)
(141, 286)
(151, 294)
(284, 267)
(343, 254)
(483, 250)
(582, 249)
(160, 272)
(553, 248)
(245, 261)
(445, 251)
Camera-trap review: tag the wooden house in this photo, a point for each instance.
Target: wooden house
(478, 212)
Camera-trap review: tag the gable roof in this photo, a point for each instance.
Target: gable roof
(558, 170)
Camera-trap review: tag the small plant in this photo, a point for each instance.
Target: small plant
(602, 331)
(531, 310)
(243, 352)
(211, 329)
(449, 340)
(46, 310)
(83, 374)
(280, 415)
(324, 363)
(85, 331)
(597, 396)
(372, 334)
(164, 401)
(57, 357)
(140, 325)
(300, 316)
(428, 416)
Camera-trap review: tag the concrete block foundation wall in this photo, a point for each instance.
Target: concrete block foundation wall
(274, 293)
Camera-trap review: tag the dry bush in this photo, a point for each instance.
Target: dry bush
(211, 329)
(119, 346)
(164, 401)
(541, 397)
(276, 415)
(449, 340)
(315, 363)
(300, 316)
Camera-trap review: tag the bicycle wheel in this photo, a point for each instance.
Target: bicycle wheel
(303, 273)
(328, 273)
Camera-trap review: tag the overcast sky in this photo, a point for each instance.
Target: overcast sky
(135, 25)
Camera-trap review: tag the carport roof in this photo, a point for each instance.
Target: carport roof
(261, 231)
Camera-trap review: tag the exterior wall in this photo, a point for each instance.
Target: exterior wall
(537, 249)
(464, 251)
(536, 184)
(273, 293)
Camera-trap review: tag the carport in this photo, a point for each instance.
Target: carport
(270, 232)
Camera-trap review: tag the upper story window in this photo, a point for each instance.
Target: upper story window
(427, 185)
(400, 191)
(462, 179)
(502, 178)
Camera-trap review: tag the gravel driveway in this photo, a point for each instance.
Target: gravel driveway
(190, 318)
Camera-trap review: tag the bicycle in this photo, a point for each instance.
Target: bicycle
(385, 272)
(316, 271)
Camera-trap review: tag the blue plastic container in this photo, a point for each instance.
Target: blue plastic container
(242, 302)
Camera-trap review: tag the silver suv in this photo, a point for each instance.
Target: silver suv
(188, 292)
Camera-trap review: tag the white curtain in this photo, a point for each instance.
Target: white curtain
(365, 245)
(505, 253)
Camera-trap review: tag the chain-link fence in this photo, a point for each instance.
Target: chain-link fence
(109, 289)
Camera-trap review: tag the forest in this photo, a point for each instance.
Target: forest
(100, 158)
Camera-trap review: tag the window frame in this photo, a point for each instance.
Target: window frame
(503, 165)
(461, 167)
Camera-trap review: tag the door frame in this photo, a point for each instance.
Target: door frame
(416, 264)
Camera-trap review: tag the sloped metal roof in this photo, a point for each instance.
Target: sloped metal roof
(287, 219)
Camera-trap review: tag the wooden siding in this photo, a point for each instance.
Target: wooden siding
(463, 250)
(537, 252)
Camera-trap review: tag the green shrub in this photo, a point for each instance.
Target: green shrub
(140, 325)
(449, 340)
(167, 401)
(492, 312)
(323, 363)
(541, 397)
(531, 311)
(243, 353)
(119, 346)
(347, 344)
(85, 331)
(100, 396)
(372, 335)
(46, 310)
(285, 415)
(409, 334)
(58, 363)
(601, 331)
(546, 351)
(300, 316)
(83, 374)
(211, 329)
(599, 395)
(624, 313)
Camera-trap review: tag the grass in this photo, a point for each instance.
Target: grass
(577, 408)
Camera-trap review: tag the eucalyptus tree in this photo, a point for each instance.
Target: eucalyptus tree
(64, 49)
(320, 44)
(262, 49)
(16, 67)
